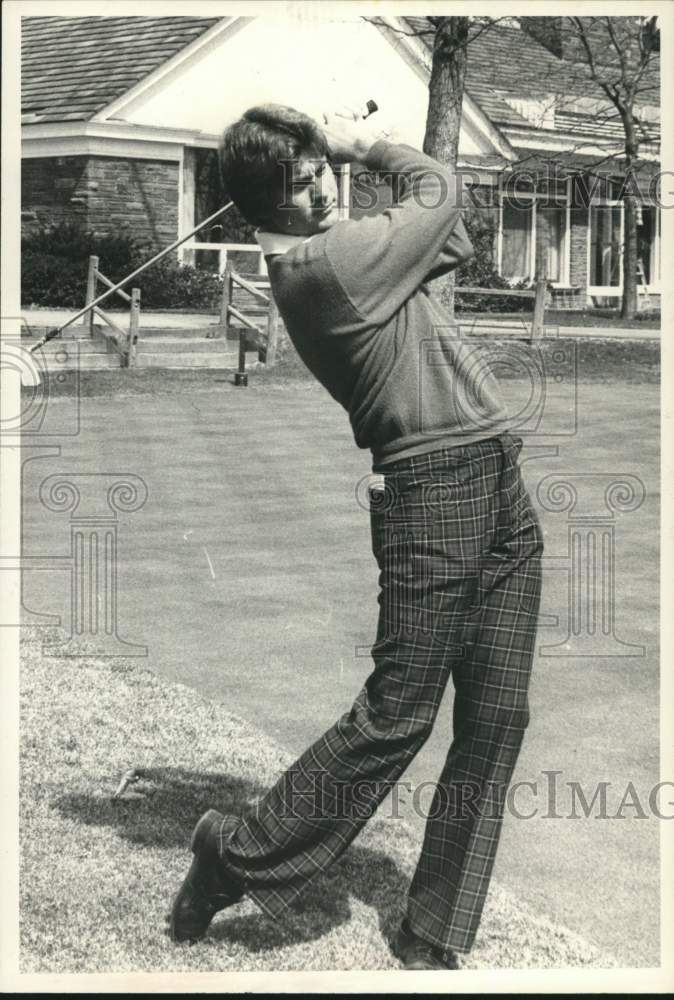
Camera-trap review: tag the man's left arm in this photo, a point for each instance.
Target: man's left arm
(456, 250)
(380, 260)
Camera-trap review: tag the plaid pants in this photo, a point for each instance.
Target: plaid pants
(459, 547)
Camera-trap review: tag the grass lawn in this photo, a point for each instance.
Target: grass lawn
(602, 317)
(576, 317)
(98, 874)
(248, 576)
(597, 361)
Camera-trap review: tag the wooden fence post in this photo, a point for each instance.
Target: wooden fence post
(134, 324)
(539, 309)
(225, 302)
(240, 376)
(88, 317)
(272, 331)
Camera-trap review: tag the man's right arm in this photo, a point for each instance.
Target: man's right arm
(380, 260)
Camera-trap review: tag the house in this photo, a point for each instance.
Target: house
(121, 118)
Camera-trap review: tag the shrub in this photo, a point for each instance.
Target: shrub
(481, 271)
(54, 265)
(170, 285)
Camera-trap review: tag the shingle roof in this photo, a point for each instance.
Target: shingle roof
(74, 66)
(505, 61)
(508, 58)
(603, 126)
(540, 159)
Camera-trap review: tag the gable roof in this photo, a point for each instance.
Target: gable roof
(71, 67)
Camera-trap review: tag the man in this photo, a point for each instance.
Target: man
(457, 542)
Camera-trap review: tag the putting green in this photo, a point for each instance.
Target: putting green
(248, 575)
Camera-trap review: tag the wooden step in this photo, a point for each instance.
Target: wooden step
(202, 345)
(56, 363)
(82, 347)
(163, 347)
(222, 359)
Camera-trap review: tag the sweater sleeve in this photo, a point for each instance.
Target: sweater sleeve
(380, 260)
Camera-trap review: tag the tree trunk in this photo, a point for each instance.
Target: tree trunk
(445, 97)
(629, 303)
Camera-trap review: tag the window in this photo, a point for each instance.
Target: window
(534, 229)
(606, 242)
(551, 226)
(516, 242)
(606, 246)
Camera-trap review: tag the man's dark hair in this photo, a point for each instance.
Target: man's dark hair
(251, 150)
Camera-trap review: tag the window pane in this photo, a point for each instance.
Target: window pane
(616, 187)
(552, 191)
(550, 234)
(648, 245)
(605, 238)
(516, 244)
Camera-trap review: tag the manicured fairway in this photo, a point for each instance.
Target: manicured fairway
(249, 577)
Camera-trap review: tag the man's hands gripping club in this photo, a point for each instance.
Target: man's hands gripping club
(350, 134)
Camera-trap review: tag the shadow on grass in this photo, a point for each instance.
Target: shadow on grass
(163, 812)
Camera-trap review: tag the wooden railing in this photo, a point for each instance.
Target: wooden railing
(537, 293)
(223, 250)
(125, 342)
(245, 299)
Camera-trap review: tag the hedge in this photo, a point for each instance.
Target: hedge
(55, 261)
(54, 265)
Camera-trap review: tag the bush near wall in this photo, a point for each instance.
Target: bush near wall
(54, 264)
(55, 261)
(480, 271)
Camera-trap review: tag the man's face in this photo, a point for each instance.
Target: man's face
(311, 198)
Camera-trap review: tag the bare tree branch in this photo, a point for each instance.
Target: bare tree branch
(487, 25)
(618, 49)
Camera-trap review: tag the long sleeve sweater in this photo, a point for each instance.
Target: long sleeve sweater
(356, 305)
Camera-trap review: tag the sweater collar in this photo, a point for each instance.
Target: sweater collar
(275, 243)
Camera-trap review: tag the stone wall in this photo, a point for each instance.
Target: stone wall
(104, 194)
(53, 191)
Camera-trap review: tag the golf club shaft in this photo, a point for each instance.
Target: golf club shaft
(129, 277)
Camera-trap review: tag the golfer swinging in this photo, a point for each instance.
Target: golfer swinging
(457, 542)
